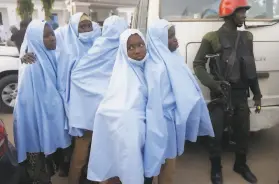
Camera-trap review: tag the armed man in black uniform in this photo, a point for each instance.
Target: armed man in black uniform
(232, 73)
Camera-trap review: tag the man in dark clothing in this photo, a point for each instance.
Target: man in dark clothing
(231, 52)
(18, 36)
(13, 30)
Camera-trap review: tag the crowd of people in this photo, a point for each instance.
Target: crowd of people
(110, 102)
(110, 86)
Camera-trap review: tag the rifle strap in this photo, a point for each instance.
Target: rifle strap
(237, 40)
(231, 62)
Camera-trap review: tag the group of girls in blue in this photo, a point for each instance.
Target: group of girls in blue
(122, 103)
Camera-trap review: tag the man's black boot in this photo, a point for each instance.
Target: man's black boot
(216, 170)
(242, 168)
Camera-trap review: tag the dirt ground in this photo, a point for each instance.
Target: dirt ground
(193, 166)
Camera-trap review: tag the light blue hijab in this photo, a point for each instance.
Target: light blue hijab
(70, 48)
(60, 34)
(90, 76)
(182, 108)
(22, 52)
(119, 128)
(77, 44)
(39, 117)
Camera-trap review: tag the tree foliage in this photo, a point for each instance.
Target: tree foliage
(47, 6)
(25, 8)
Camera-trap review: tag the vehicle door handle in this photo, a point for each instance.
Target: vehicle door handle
(263, 75)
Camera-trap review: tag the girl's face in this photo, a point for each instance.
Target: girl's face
(85, 26)
(172, 41)
(49, 38)
(136, 48)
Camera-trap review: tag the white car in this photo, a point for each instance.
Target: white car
(9, 64)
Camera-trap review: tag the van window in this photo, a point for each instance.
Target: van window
(135, 17)
(208, 9)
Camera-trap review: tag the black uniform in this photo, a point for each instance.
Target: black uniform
(243, 77)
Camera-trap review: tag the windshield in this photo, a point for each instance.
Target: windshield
(208, 9)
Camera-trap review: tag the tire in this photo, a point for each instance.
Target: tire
(9, 81)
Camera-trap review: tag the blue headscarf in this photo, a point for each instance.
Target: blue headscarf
(69, 50)
(39, 117)
(22, 52)
(182, 106)
(75, 44)
(60, 34)
(91, 74)
(119, 128)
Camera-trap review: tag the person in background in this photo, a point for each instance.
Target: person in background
(175, 105)
(233, 65)
(54, 25)
(18, 36)
(39, 116)
(13, 30)
(53, 22)
(89, 82)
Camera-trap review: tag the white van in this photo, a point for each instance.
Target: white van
(194, 18)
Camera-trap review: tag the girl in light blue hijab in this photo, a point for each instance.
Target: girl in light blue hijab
(90, 76)
(89, 82)
(79, 37)
(39, 117)
(73, 42)
(175, 102)
(119, 126)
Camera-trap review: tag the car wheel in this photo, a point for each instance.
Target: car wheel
(8, 93)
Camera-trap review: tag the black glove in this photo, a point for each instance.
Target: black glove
(217, 89)
(258, 105)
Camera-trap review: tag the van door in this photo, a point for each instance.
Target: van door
(141, 16)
